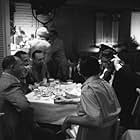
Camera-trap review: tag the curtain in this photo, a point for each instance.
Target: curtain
(107, 26)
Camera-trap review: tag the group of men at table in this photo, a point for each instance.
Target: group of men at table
(98, 105)
(19, 77)
(45, 59)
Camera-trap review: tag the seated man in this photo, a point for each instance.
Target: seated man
(41, 43)
(39, 72)
(26, 61)
(18, 114)
(98, 107)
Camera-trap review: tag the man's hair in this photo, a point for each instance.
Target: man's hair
(89, 66)
(37, 51)
(19, 53)
(8, 61)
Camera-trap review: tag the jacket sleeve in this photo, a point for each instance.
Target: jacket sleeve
(16, 97)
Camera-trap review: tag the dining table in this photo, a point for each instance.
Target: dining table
(47, 111)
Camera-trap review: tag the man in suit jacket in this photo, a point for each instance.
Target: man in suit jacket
(15, 105)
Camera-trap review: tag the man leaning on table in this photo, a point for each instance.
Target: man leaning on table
(41, 43)
(40, 51)
(99, 106)
(17, 119)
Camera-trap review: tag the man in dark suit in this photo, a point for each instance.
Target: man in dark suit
(125, 83)
(58, 65)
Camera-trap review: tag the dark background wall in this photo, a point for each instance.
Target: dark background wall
(125, 24)
(111, 4)
(76, 28)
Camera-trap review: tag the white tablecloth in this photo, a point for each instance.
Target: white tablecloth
(45, 111)
(131, 135)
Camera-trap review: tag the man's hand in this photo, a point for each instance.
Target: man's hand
(44, 82)
(65, 100)
(118, 63)
(61, 100)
